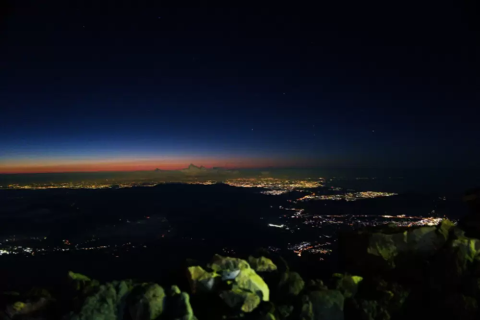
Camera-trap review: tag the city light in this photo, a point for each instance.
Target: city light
(276, 225)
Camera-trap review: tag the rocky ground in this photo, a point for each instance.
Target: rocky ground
(386, 273)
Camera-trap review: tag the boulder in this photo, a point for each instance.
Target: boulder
(346, 284)
(228, 267)
(327, 305)
(372, 310)
(316, 285)
(201, 280)
(25, 309)
(146, 301)
(306, 311)
(83, 284)
(382, 248)
(378, 299)
(174, 290)
(268, 316)
(421, 241)
(239, 299)
(391, 295)
(284, 310)
(18, 306)
(446, 227)
(262, 264)
(386, 246)
(106, 304)
(178, 305)
(78, 276)
(459, 259)
(465, 251)
(291, 284)
(249, 280)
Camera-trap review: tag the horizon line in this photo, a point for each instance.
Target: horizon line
(151, 170)
(240, 168)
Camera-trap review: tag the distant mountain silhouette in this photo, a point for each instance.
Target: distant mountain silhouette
(196, 170)
(193, 169)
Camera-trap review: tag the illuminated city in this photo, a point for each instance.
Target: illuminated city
(328, 227)
(315, 234)
(348, 196)
(282, 185)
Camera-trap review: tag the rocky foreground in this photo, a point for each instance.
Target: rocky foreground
(387, 273)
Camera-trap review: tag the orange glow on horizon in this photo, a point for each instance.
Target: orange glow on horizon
(106, 165)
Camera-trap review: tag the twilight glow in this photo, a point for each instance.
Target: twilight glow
(129, 164)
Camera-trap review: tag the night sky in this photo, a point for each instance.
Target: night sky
(129, 85)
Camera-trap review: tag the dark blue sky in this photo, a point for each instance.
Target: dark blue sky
(347, 84)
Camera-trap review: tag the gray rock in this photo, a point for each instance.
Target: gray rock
(179, 306)
(459, 258)
(291, 283)
(284, 310)
(228, 267)
(82, 283)
(25, 309)
(316, 285)
(262, 264)
(249, 280)
(380, 248)
(106, 304)
(306, 313)
(239, 299)
(372, 310)
(174, 290)
(147, 302)
(268, 316)
(201, 280)
(346, 284)
(327, 305)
